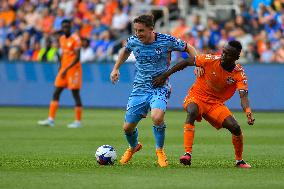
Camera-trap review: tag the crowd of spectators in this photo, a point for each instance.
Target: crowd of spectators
(29, 29)
(259, 27)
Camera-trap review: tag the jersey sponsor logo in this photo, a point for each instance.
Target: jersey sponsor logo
(212, 57)
(230, 80)
(158, 50)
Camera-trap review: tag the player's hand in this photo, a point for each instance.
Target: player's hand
(250, 118)
(114, 76)
(198, 71)
(63, 74)
(159, 81)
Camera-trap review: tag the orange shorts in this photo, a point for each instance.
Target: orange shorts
(72, 80)
(214, 113)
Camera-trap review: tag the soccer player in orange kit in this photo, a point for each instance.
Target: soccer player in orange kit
(205, 99)
(69, 75)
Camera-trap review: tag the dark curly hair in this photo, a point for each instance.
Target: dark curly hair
(236, 44)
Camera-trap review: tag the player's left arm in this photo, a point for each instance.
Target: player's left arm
(243, 91)
(74, 62)
(246, 107)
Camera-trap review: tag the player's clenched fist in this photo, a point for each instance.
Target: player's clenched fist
(114, 76)
(250, 118)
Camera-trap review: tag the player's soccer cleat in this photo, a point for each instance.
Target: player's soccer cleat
(185, 159)
(46, 122)
(162, 158)
(129, 153)
(242, 164)
(75, 124)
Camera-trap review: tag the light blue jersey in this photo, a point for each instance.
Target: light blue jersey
(151, 60)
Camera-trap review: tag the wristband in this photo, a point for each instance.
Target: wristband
(248, 110)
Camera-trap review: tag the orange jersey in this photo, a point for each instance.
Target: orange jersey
(217, 85)
(69, 46)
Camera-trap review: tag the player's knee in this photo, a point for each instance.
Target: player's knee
(56, 96)
(78, 102)
(157, 120)
(192, 114)
(128, 128)
(236, 130)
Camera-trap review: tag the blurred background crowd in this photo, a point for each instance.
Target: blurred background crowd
(29, 29)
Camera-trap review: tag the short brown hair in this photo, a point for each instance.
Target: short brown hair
(146, 19)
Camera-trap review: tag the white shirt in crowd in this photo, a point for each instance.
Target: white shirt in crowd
(87, 55)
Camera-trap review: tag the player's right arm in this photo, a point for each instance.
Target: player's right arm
(122, 57)
(200, 60)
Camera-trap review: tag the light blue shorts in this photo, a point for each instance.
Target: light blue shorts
(140, 103)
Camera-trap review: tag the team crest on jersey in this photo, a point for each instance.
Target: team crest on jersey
(158, 50)
(69, 44)
(230, 80)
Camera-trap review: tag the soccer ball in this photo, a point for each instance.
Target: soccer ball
(106, 155)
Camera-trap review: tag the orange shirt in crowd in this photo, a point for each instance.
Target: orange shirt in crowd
(47, 24)
(109, 11)
(8, 16)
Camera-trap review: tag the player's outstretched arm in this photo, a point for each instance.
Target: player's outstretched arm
(122, 57)
(246, 107)
(160, 80)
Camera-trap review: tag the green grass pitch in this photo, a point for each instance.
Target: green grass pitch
(36, 157)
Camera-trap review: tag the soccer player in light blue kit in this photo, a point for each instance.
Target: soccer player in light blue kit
(152, 52)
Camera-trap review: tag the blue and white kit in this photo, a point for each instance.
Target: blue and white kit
(151, 60)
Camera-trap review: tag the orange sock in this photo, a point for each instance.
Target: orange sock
(188, 137)
(78, 113)
(52, 109)
(238, 146)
